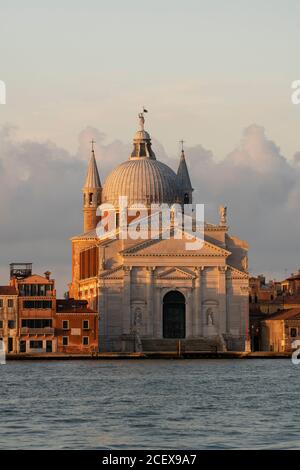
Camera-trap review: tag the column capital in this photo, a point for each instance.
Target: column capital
(127, 269)
(151, 268)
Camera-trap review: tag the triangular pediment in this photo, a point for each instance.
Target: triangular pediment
(116, 273)
(176, 273)
(175, 247)
(237, 273)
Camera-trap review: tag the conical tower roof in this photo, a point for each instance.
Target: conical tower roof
(183, 177)
(92, 178)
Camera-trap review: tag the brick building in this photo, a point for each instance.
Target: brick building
(32, 320)
(273, 310)
(279, 330)
(9, 318)
(291, 285)
(76, 327)
(36, 310)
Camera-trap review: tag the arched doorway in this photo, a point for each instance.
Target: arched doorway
(174, 315)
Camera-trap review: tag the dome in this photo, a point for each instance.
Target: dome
(143, 180)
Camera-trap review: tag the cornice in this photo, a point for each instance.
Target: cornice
(235, 273)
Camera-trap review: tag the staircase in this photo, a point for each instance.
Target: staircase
(187, 345)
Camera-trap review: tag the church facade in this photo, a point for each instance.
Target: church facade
(153, 292)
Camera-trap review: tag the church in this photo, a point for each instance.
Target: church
(152, 293)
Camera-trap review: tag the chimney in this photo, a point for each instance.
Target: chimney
(47, 275)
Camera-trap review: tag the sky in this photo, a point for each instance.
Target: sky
(215, 73)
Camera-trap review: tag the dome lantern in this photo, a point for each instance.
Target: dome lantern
(142, 142)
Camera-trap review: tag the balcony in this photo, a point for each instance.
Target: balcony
(37, 331)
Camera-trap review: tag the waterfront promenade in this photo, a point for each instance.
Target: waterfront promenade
(152, 355)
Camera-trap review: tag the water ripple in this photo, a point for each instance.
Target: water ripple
(200, 404)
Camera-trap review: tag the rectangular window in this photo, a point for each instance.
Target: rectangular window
(42, 290)
(1, 323)
(89, 262)
(37, 304)
(48, 289)
(65, 341)
(85, 324)
(65, 324)
(37, 323)
(34, 290)
(1, 303)
(10, 303)
(11, 324)
(36, 344)
(294, 332)
(85, 340)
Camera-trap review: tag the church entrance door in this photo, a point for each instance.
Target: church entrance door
(174, 315)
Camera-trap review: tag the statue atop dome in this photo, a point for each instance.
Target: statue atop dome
(142, 121)
(142, 118)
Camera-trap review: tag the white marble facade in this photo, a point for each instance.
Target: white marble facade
(134, 281)
(151, 293)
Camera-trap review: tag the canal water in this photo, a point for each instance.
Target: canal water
(147, 404)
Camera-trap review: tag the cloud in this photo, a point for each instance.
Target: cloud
(40, 194)
(261, 189)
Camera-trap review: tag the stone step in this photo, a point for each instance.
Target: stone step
(171, 345)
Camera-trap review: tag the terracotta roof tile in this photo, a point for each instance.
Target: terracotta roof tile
(290, 314)
(8, 290)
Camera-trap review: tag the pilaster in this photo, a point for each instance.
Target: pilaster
(197, 303)
(150, 300)
(222, 300)
(126, 300)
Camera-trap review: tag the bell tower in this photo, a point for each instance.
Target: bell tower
(91, 194)
(183, 179)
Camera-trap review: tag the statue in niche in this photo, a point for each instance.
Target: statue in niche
(209, 317)
(137, 319)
